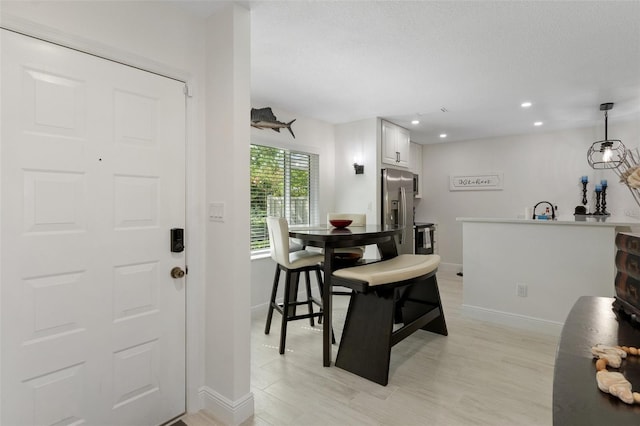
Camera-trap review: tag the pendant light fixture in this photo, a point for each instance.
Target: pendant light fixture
(607, 153)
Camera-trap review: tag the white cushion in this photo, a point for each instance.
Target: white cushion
(302, 258)
(279, 242)
(399, 268)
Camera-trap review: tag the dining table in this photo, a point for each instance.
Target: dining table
(329, 239)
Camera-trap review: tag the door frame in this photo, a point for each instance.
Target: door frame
(194, 179)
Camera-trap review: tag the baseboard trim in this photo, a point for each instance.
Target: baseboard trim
(453, 268)
(225, 410)
(261, 310)
(509, 319)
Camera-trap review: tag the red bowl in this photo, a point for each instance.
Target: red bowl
(341, 223)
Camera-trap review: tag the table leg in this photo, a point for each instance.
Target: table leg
(388, 248)
(326, 307)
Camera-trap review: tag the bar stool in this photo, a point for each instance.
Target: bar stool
(358, 219)
(292, 264)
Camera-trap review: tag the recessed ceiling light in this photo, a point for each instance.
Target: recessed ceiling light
(415, 122)
(538, 123)
(525, 104)
(443, 135)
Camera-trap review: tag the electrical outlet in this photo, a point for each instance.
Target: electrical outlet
(521, 290)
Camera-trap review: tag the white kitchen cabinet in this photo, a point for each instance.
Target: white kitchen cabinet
(415, 158)
(396, 143)
(415, 165)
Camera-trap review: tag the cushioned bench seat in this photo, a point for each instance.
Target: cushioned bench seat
(395, 270)
(403, 290)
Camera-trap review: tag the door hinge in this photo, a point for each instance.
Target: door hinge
(187, 91)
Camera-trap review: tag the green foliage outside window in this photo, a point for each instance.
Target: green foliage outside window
(280, 186)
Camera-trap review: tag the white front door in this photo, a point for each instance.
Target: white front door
(93, 179)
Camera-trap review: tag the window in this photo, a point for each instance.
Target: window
(283, 183)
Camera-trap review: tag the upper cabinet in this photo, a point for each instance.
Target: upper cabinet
(396, 145)
(415, 159)
(415, 166)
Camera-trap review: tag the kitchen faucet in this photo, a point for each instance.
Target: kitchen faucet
(553, 210)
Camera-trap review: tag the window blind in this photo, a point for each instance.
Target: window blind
(284, 184)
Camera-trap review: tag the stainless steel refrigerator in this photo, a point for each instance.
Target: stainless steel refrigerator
(397, 205)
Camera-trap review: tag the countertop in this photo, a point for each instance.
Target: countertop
(581, 220)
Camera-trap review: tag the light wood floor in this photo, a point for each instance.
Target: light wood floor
(481, 374)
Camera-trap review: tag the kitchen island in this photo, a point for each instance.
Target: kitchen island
(529, 273)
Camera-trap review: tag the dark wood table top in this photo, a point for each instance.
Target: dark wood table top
(323, 235)
(576, 397)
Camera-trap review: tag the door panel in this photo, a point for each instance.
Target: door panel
(92, 182)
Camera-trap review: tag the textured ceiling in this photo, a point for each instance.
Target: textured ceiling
(341, 61)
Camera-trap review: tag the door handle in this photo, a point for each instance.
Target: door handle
(177, 272)
(403, 215)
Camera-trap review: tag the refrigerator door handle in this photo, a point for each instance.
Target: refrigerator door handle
(403, 213)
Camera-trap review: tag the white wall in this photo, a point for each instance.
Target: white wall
(545, 166)
(227, 294)
(134, 32)
(158, 37)
(358, 193)
(312, 136)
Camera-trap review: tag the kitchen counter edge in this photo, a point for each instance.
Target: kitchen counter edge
(562, 220)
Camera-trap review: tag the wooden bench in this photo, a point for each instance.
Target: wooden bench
(398, 290)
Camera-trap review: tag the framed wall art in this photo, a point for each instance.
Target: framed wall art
(477, 182)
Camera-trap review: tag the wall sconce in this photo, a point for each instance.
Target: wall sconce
(359, 168)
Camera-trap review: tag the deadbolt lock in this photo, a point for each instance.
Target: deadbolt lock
(177, 272)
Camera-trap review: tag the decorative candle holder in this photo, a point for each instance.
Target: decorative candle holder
(604, 202)
(584, 180)
(604, 199)
(598, 192)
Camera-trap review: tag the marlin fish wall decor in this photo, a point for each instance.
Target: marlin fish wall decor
(263, 118)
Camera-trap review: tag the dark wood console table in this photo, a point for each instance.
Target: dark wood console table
(576, 397)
